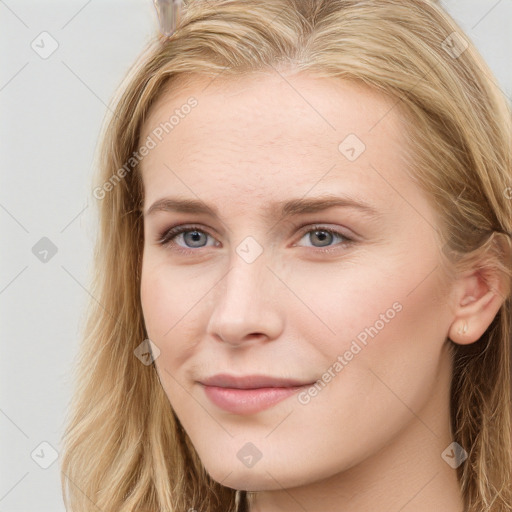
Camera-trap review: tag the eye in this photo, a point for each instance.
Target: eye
(189, 234)
(325, 236)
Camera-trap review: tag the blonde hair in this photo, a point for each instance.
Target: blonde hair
(124, 447)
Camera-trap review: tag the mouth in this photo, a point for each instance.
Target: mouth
(249, 394)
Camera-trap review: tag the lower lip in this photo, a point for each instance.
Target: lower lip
(248, 401)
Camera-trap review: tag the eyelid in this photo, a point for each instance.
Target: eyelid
(324, 226)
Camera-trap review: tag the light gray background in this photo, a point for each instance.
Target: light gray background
(52, 110)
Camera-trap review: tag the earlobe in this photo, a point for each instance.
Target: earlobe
(463, 330)
(473, 317)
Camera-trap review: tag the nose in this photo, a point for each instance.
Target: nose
(246, 304)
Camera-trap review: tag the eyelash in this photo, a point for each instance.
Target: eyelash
(167, 236)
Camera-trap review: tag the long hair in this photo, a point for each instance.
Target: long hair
(124, 448)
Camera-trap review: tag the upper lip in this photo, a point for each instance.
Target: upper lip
(224, 380)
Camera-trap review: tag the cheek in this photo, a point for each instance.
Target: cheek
(153, 302)
(162, 299)
(404, 332)
(391, 342)
(173, 310)
(383, 319)
(162, 311)
(352, 300)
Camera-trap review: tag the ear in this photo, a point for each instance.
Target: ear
(477, 298)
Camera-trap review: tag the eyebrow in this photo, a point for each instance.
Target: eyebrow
(276, 208)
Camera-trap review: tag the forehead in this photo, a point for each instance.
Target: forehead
(271, 132)
(258, 100)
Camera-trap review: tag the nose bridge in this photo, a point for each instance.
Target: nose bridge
(245, 301)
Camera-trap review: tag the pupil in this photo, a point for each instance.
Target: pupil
(194, 235)
(322, 235)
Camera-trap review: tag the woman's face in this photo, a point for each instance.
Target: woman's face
(274, 279)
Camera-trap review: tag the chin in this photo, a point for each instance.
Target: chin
(257, 478)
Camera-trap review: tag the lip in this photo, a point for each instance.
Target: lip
(224, 380)
(249, 394)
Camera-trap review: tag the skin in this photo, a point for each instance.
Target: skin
(373, 437)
